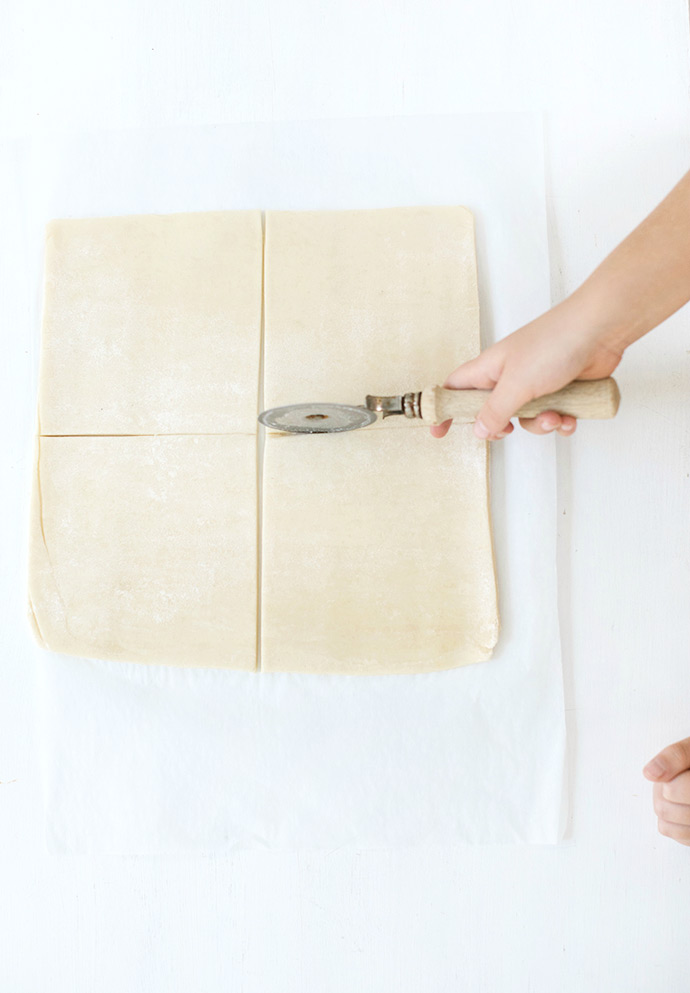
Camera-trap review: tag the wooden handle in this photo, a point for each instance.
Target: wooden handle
(588, 398)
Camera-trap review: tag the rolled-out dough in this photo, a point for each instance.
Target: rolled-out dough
(376, 553)
(151, 324)
(367, 301)
(376, 544)
(144, 549)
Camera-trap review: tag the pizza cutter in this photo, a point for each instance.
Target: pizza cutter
(583, 398)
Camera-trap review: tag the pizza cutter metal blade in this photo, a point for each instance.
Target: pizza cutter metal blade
(317, 418)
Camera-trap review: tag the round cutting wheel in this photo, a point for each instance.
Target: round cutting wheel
(317, 418)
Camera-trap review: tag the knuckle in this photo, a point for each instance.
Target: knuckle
(665, 828)
(678, 790)
(679, 753)
(493, 420)
(670, 812)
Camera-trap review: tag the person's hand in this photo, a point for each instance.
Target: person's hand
(641, 283)
(539, 358)
(670, 773)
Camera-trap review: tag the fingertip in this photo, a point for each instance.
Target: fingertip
(440, 430)
(469, 375)
(460, 378)
(530, 424)
(549, 421)
(484, 433)
(481, 430)
(568, 426)
(666, 790)
(542, 424)
(655, 771)
(672, 760)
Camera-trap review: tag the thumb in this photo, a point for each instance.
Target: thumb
(670, 762)
(479, 373)
(503, 402)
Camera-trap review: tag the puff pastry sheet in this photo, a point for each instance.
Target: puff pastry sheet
(151, 324)
(376, 553)
(370, 551)
(143, 549)
(367, 301)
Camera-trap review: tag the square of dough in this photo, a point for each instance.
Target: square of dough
(152, 324)
(144, 549)
(367, 301)
(376, 553)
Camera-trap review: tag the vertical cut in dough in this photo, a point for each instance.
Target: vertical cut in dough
(376, 553)
(376, 544)
(367, 301)
(151, 324)
(144, 549)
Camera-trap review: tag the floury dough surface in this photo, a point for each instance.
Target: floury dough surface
(376, 553)
(376, 545)
(151, 324)
(367, 301)
(377, 550)
(144, 549)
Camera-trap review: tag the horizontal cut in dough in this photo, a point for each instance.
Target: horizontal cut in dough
(376, 544)
(367, 301)
(144, 549)
(377, 550)
(377, 553)
(152, 324)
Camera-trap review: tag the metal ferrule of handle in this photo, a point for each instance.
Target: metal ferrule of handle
(409, 404)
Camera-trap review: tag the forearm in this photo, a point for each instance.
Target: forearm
(646, 278)
(639, 285)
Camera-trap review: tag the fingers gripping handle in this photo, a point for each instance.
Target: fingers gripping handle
(585, 398)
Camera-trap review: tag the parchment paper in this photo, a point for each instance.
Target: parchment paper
(160, 759)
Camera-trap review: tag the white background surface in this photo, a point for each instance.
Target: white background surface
(609, 908)
(216, 761)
